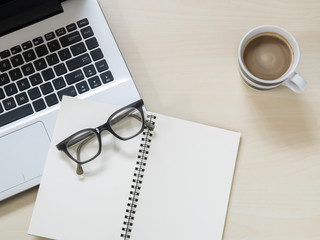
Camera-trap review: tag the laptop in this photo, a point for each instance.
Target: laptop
(49, 49)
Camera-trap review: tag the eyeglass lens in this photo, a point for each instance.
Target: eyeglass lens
(127, 123)
(84, 145)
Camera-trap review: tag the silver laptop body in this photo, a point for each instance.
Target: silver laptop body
(86, 72)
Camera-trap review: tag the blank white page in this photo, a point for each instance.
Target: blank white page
(89, 207)
(187, 182)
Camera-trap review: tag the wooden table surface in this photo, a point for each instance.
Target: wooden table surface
(183, 57)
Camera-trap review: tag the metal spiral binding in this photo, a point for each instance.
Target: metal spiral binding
(137, 181)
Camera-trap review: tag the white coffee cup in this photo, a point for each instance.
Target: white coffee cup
(289, 78)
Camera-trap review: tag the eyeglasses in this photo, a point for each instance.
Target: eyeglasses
(85, 145)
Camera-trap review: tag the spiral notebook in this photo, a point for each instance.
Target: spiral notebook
(170, 183)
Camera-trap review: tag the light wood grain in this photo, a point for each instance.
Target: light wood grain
(183, 57)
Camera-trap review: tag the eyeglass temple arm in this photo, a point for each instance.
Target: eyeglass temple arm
(79, 167)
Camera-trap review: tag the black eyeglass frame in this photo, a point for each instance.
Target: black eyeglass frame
(62, 146)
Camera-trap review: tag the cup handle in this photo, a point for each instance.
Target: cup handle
(296, 83)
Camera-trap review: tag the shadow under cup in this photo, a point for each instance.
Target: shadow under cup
(268, 56)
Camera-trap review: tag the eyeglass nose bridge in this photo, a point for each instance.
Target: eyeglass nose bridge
(103, 127)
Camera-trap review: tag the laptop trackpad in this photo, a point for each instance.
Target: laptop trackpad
(22, 155)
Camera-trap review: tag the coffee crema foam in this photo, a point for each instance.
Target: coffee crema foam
(268, 56)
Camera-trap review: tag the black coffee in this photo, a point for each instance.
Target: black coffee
(268, 56)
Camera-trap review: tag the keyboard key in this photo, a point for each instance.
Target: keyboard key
(17, 60)
(10, 89)
(35, 79)
(15, 114)
(60, 31)
(40, 64)
(58, 83)
(86, 32)
(1, 108)
(26, 45)
(78, 49)
(64, 54)
(2, 96)
(9, 103)
(41, 50)
(73, 77)
(4, 54)
(46, 88)
(27, 69)
(60, 69)
(39, 105)
(15, 49)
(70, 39)
(70, 91)
(78, 62)
(82, 87)
(5, 65)
(15, 74)
(23, 84)
(94, 82)
(47, 74)
(92, 43)
(22, 98)
(52, 59)
(53, 45)
(49, 36)
(71, 27)
(37, 41)
(4, 79)
(102, 65)
(51, 99)
(106, 77)
(89, 71)
(83, 22)
(34, 93)
(96, 54)
(29, 55)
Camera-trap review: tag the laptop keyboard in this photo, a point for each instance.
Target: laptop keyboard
(36, 74)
